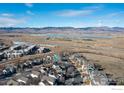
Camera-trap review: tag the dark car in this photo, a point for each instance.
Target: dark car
(46, 50)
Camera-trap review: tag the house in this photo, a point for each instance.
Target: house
(60, 80)
(37, 62)
(69, 81)
(69, 71)
(48, 59)
(34, 78)
(41, 84)
(35, 74)
(31, 49)
(47, 80)
(52, 76)
(8, 71)
(23, 80)
(15, 47)
(78, 80)
(40, 50)
(57, 68)
(43, 71)
(1, 56)
(27, 65)
(12, 82)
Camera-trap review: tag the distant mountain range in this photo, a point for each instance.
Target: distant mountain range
(60, 29)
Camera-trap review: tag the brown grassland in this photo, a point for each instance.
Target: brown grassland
(109, 53)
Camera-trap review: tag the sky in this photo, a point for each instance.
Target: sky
(61, 15)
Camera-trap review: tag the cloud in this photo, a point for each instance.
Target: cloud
(5, 21)
(6, 15)
(121, 13)
(80, 12)
(112, 15)
(74, 12)
(95, 7)
(111, 19)
(29, 12)
(29, 5)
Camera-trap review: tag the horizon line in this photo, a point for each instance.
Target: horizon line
(63, 27)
